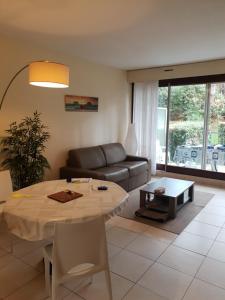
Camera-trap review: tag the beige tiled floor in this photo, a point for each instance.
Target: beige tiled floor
(166, 281)
(146, 263)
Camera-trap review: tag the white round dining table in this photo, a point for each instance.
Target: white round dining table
(31, 215)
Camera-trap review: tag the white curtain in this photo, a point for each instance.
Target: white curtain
(145, 119)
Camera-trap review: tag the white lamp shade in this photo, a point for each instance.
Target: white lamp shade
(131, 143)
(48, 74)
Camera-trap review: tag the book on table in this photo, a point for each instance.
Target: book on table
(65, 196)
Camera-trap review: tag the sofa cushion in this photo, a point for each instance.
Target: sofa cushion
(114, 174)
(87, 158)
(134, 167)
(114, 153)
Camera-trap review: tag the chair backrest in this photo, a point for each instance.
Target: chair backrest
(80, 243)
(5, 185)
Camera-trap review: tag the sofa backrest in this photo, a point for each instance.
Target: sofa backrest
(114, 153)
(87, 158)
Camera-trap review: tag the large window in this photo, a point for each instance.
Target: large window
(191, 126)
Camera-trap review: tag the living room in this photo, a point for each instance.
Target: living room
(137, 137)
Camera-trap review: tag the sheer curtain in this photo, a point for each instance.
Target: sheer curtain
(145, 119)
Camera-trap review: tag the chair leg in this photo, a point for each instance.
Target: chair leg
(47, 276)
(54, 287)
(90, 280)
(108, 282)
(5, 230)
(10, 244)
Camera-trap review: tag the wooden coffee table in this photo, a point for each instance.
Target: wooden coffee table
(177, 193)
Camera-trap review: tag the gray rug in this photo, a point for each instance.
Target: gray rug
(183, 218)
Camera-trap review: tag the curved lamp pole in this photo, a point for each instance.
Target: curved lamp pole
(11, 81)
(43, 74)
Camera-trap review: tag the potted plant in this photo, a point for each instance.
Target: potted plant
(23, 148)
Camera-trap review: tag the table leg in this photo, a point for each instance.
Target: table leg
(172, 207)
(191, 193)
(142, 198)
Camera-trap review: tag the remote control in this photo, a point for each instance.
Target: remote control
(102, 188)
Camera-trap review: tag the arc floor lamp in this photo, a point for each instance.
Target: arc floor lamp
(44, 74)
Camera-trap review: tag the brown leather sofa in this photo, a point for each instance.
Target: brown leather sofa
(108, 162)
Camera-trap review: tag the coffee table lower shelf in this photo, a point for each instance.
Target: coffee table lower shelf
(158, 209)
(145, 212)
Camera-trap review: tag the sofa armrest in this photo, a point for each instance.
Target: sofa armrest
(136, 158)
(71, 172)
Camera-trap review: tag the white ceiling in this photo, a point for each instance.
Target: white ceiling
(128, 34)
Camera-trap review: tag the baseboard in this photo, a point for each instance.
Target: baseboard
(199, 180)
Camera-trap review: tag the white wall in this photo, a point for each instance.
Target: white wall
(178, 71)
(68, 129)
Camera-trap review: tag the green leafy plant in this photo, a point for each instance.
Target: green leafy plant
(221, 134)
(23, 151)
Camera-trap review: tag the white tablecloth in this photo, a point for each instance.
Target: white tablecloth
(31, 215)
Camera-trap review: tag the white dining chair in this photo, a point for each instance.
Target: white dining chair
(5, 185)
(78, 250)
(5, 191)
(5, 188)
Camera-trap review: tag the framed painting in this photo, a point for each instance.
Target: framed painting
(81, 103)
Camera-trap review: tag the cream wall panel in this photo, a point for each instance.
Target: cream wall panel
(68, 129)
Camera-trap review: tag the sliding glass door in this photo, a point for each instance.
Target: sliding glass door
(191, 126)
(215, 158)
(186, 125)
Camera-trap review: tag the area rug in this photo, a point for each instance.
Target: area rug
(177, 225)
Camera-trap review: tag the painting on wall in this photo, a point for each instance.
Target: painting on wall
(81, 103)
